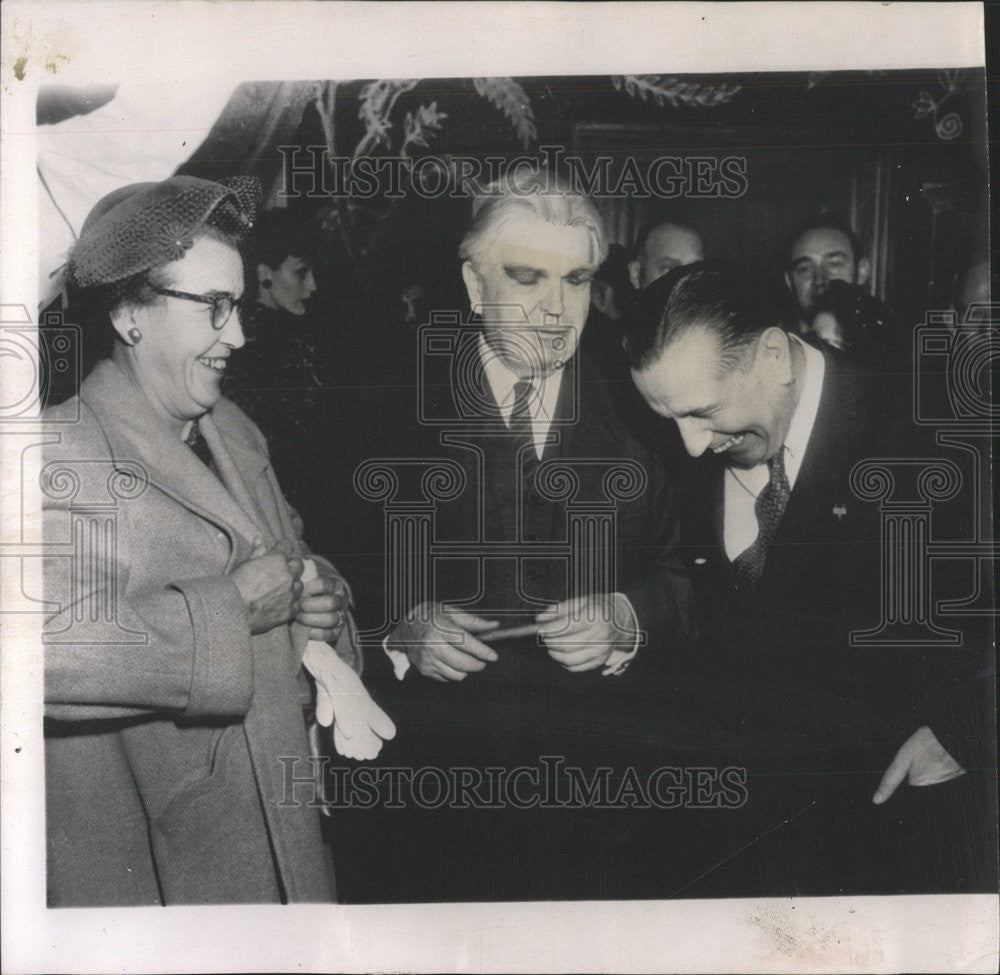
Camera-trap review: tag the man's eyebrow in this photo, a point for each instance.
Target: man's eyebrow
(837, 253)
(515, 268)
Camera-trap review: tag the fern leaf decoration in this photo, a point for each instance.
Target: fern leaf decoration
(421, 126)
(376, 103)
(508, 96)
(670, 91)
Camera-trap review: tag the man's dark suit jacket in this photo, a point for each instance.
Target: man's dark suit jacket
(594, 438)
(525, 705)
(779, 667)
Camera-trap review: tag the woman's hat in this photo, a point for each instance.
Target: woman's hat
(138, 227)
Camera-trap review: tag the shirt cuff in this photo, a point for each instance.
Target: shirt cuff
(618, 660)
(400, 661)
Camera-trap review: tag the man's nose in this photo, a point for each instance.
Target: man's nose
(232, 332)
(552, 302)
(696, 438)
(310, 283)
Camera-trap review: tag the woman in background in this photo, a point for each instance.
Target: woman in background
(275, 376)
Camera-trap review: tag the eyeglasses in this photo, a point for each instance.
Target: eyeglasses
(222, 304)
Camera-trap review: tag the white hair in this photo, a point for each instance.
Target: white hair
(532, 191)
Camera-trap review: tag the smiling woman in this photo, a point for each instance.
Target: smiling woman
(176, 348)
(174, 680)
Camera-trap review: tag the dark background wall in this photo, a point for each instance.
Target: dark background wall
(901, 154)
(914, 187)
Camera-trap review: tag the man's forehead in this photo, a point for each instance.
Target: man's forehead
(534, 242)
(822, 240)
(670, 235)
(687, 373)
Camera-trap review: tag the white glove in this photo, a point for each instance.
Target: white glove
(359, 724)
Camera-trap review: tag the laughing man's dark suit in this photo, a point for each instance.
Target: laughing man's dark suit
(820, 720)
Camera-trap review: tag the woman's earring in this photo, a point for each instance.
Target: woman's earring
(266, 283)
(135, 335)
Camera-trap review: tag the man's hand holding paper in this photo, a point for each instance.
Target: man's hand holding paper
(441, 641)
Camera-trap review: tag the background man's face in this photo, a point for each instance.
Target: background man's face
(818, 257)
(533, 273)
(742, 412)
(667, 247)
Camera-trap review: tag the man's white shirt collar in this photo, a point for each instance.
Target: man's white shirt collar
(502, 381)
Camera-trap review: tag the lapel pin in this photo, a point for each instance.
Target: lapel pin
(840, 510)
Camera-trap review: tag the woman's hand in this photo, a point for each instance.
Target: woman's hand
(269, 584)
(323, 607)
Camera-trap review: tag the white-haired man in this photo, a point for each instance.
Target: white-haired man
(531, 417)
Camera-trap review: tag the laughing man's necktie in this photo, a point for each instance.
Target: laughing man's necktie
(769, 507)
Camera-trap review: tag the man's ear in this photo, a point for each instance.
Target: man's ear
(123, 318)
(864, 271)
(473, 285)
(601, 297)
(635, 274)
(774, 352)
(788, 282)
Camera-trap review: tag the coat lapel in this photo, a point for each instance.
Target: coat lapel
(564, 433)
(238, 468)
(135, 433)
(805, 512)
(707, 512)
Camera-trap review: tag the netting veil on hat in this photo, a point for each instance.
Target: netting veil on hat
(138, 227)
